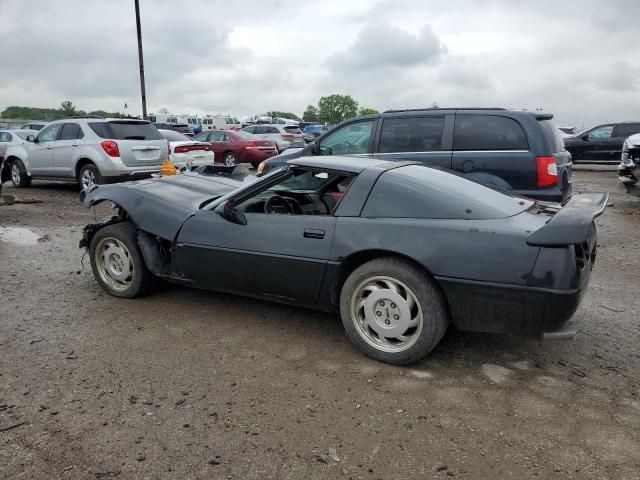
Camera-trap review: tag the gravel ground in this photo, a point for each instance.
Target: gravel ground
(188, 384)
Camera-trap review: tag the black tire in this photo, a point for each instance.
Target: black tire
(427, 294)
(142, 280)
(18, 173)
(87, 171)
(229, 159)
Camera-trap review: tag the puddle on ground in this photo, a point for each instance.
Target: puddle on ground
(18, 235)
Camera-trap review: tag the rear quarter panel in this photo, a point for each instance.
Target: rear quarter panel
(483, 250)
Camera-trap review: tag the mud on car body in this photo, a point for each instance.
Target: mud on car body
(400, 249)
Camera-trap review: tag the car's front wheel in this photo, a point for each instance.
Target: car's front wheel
(117, 262)
(393, 311)
(19, 176)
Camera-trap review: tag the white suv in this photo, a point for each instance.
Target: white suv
(87, 150)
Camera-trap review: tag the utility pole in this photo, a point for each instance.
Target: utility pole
(141, 62)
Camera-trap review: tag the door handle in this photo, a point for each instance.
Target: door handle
(313, 233)
(74, 144)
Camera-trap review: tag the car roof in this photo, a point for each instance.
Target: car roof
(342, 162)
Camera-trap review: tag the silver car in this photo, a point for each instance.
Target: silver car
(88, 151)
(284, 136)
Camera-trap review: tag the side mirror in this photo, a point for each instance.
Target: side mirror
(30, 138)
(585, 137)
(314, 149)
(227, 210)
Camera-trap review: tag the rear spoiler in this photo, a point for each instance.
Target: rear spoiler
(571, 225)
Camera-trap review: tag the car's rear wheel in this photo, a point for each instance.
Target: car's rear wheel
(89, 176)
(19, 176)
(230, 159)
(117, 262)
(393, 311)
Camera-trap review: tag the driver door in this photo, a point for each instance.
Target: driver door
(274, 255)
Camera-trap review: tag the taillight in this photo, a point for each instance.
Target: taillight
(547, 171)
(287, 136)
(110, 148)
(251, 144)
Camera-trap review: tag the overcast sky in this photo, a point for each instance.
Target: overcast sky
(576, 59)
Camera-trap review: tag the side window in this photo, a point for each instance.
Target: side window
(350, 139)
(250, 129)
(225, 138)
(625, 130)
(271, 130)
(201, 137)
(601, 133)
(215, 137)
(418, 134)
(71, 131)
(488, 132)
(49, 133)
(5, 137)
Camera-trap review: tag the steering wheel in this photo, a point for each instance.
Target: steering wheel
(348, 147)
(282, 205)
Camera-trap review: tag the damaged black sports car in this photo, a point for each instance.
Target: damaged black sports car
(400, 249)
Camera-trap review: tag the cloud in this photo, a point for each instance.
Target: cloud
(257, 55)
(380, 45)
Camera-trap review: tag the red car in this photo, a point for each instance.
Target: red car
(233, 147)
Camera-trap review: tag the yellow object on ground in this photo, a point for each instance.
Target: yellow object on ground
(168, 168)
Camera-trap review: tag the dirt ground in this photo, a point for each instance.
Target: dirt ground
(188, 384)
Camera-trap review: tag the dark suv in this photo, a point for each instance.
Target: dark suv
(518, 150)
(602, 143)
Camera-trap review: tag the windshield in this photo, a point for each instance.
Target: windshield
(23, 135)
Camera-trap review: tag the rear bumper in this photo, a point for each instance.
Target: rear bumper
(497, 308)
(129, 176)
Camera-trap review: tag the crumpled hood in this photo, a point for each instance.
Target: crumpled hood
(160, 206)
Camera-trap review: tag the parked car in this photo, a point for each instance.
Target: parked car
(602, 143)
(32, 126)
(87, 150)
(286, 121)
(400, 249)
(312, 132)
(285, 136)
(566, 132)
(517, 150)
(185, 153)
(10, 138)
(238, 147)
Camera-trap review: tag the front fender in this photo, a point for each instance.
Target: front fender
(19, 152)
(151, 215)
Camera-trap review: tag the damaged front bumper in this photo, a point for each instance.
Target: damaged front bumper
(90, 230)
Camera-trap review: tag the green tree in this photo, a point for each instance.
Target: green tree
(367, 111)
(336, 108)
(311, 114)
(278, 114)
(68, 109)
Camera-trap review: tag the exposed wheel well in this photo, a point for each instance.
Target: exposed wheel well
(81, 163)
(353, 261)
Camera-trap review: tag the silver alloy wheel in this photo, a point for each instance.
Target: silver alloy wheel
(386, 314)
(16, 174)
(87, 179)
(229, 159)
(114, 264)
